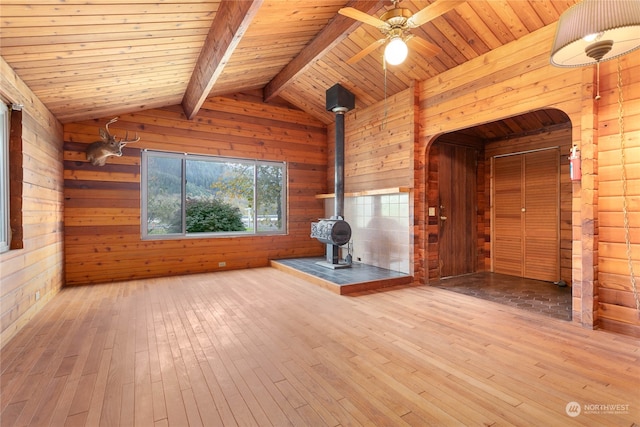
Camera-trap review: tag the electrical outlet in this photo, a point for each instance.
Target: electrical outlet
(222, 264)
(37, 295)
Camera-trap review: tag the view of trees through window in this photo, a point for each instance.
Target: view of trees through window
(195, 194)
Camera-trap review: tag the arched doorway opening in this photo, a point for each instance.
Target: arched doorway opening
(499, 201)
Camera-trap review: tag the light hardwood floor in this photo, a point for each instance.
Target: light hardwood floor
(260, 347)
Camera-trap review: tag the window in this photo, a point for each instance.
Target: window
(5, 231)
(190, 195)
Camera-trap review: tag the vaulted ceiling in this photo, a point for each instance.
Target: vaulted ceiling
(100, 58)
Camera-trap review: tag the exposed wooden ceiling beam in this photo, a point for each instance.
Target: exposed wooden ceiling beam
(229, 25)
(330, 36)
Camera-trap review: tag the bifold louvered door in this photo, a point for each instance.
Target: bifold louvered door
(525, 215)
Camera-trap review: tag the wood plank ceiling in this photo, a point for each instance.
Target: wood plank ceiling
(102, 58)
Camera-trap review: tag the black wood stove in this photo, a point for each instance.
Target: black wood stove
(335, 231)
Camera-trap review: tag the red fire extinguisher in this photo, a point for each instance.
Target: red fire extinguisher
(575, 169)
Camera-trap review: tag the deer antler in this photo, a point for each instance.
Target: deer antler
(126, 141)
(115, 119)
(123, 141)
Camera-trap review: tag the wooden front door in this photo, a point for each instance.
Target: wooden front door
(526, 215)
(457, 208)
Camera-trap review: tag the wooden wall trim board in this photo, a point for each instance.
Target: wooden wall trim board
(102, 215)
(36, 268)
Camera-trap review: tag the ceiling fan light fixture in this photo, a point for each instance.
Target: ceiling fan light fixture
(615, 21)
(396, 51)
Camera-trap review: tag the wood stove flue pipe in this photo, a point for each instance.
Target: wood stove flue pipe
(339, 100)
(338, 203)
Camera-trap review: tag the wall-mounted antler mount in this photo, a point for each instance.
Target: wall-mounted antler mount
(98, 152)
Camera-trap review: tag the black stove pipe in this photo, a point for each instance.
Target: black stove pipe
(338, 204)
(339, 100)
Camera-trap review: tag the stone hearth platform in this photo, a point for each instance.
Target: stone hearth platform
(357, 278)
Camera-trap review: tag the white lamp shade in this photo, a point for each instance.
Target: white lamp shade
(396, 51)
(615, 23)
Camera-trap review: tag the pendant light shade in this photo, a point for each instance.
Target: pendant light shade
(396, 51)
(596, 30)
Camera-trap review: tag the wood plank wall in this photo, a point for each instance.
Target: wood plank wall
(616, 301)
(102, 204)
(378, 145)
(37, 267)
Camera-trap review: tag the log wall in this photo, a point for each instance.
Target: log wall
(102, 204)
(33, 274)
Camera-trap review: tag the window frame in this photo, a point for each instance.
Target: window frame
(183, 234)
(5, 200)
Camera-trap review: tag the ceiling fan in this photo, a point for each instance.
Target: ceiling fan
(395, 25)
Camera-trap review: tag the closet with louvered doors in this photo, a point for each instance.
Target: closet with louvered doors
(525, 232)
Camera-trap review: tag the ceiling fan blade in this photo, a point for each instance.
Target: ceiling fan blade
(435, 9)
(366, 51)
(358, 15)
(426, 48)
